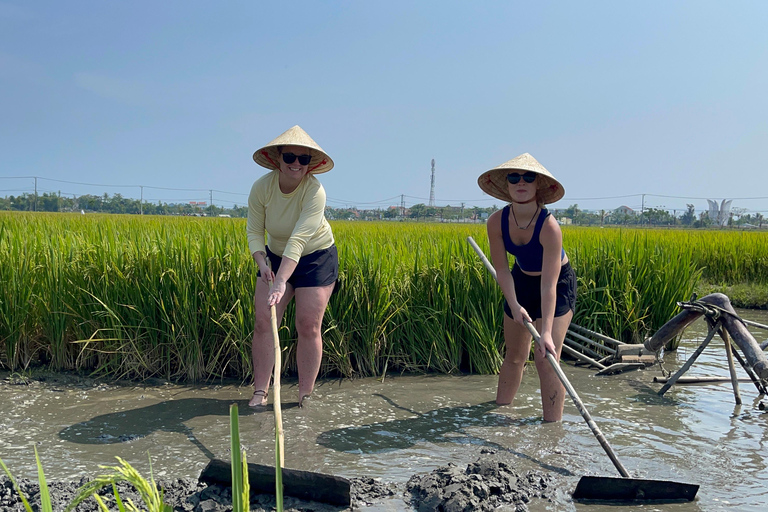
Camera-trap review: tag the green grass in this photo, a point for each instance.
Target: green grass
(137, 297)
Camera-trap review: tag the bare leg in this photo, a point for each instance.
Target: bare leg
(262, 345)
(310, 308)
(552, 390)
(517, 340)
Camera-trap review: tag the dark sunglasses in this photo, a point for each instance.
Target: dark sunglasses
(289, 158)
(514, 177)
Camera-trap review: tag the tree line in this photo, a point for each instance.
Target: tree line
(51, 202)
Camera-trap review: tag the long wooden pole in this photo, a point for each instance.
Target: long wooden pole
(731, 367)
(580, 405)
(597, 335)
(690, 361)
(279, 434)
(563, 379)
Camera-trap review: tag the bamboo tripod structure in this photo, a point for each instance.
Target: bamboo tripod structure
(724, 321)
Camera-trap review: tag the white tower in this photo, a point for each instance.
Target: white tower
(432, 188)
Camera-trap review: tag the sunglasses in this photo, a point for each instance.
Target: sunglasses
(514, 177)
(289, 158)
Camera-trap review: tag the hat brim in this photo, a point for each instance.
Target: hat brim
(494, 182)
(269, 155)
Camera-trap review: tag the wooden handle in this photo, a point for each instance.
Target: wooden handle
(280, 435)
(580, 405)
(559, 371)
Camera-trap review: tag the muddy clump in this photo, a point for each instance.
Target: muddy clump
(482, 486)
(183, 494)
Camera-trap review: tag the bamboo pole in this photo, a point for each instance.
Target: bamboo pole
(757, 382)
(578, 355)
(731, 367)
(754, 324)
(711, 379)
(279, 433)
(580, 405)
(689, 362)
(578, 346)
(591, 342)
(597, 335)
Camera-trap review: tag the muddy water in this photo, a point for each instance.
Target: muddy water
(412, 424)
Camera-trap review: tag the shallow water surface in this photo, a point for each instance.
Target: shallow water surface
(412, 424)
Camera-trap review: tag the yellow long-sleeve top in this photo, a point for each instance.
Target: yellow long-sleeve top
(294, 223)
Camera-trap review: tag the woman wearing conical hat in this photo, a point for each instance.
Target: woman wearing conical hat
(286, 224)
(541, 286)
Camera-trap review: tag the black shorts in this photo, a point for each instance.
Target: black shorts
(316, 269)
(528, 291)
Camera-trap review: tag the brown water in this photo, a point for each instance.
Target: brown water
(412, 424)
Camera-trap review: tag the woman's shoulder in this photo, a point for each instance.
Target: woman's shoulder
(495, 216)
(550, 227)
(264, 181)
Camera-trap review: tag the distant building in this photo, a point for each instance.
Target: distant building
(625, 210)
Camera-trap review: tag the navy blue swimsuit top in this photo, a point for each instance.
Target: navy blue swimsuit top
(529, 257)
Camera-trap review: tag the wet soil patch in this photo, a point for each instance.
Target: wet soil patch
(482, 486)
(184, 495)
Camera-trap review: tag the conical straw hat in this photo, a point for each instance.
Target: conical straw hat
(494, 182)
(269, 156)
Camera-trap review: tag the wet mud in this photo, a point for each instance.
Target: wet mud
(407, 441)
(481, 486)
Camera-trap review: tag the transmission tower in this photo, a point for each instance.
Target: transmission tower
(432, 188)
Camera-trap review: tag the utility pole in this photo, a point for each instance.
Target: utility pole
(210, 196)
(432, 187)
(402, 205)
(141, 201)
(642, 208)
(35, 193)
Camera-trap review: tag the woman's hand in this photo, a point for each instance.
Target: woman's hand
(546, 344)
(265, 272)
(266, 275)
(276, 293)
(519, 314)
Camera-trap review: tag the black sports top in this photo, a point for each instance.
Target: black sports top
(529, 257)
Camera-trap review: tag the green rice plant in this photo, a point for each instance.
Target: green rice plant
(45, 496)
(241, 489)
(147, 489)
(136, 297)
(16, 283)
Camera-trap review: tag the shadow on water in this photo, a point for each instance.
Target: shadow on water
(444, 425)
(168, 416)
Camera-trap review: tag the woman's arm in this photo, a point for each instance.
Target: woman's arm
(256, 233)
(551, 239)
(501, 264)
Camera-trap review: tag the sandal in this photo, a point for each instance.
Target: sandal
(259, 398)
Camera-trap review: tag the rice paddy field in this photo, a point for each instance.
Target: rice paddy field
(171, 297)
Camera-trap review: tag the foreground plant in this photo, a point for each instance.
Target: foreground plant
(150, 494)
(45, 496)
(241, 489)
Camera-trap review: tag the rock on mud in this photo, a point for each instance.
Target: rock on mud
(482, 486)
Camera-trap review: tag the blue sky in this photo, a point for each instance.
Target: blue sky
(614, 98)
